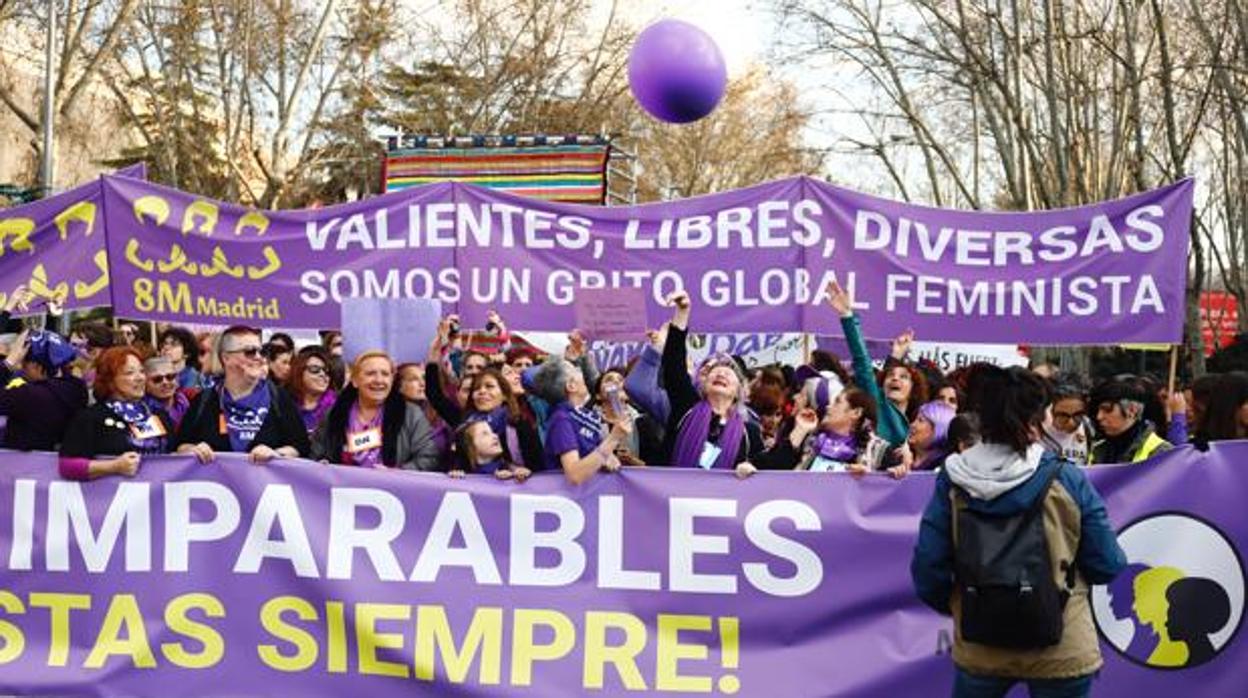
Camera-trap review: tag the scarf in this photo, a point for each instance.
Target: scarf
(244, 416)
(694, 432)
(835, 447)
(590, 427)
(372, 457)
(134, 413)
(1116, 447)
(176, 410)
(312, 418)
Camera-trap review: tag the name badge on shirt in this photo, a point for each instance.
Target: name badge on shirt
(710, 454)
(366, 440)
(149, 428)
(826, 465)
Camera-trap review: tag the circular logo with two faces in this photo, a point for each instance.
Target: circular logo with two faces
(1180, 600)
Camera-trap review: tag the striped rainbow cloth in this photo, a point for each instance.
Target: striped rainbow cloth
(567, 173)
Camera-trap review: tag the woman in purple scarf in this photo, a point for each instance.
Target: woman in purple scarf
(309, 384)
(929, 432)
(708, 425)
(833, 434)
(112, 436)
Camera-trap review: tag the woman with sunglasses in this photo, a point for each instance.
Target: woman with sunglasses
(708, 426)
(162, 389)
(111, 436)
(309, 385)
(245, 413)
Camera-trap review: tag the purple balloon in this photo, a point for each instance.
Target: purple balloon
(676, 71)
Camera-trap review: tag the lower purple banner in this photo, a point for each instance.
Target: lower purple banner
(302, 579)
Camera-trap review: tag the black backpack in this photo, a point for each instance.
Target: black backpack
(1004, 574)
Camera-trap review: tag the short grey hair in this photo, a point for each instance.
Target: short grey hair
(550, 380)
(152, 365)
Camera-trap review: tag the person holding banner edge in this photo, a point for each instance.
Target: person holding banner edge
(373, 425)
(575, 441)
(708, 426)
(246, 413)
(893, 426)
(121, 422)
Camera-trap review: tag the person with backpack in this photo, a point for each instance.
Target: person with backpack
(1009, 545)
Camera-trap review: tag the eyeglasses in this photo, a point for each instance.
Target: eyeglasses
(315, 370)
(163, 377)
(249, 352)
(1069, 416)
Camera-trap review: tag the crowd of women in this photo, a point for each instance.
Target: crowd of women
(106, 401)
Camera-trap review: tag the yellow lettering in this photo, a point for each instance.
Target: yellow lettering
(221, 265)
(122, 612)
(177, 621)
(173, 299)
(12, 642)
(154, 207)
(252, 219)
(523, 649)
(132, 256)
(484, 636)
(83, 212)
(19, 229)
(336, 629)
(623, 657)
(143, 298)
(177, 260)
(86, 290)
(200, 209)
(368, 640)
(271, 619)
(40, 286)
(671, 651)
(59, 606)
(274, 263)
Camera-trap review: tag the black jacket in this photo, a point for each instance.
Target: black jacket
(90, 436)
(406, 437)
(282, 427)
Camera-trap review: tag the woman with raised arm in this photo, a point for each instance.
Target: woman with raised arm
(893, 426)
(708, 426)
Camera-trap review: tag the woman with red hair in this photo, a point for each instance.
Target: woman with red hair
(120, 425)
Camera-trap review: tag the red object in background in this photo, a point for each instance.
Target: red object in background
(1219, 320)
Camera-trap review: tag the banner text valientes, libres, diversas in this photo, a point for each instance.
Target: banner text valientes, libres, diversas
(755, 259)
(232, 579)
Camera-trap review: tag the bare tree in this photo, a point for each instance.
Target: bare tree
(1024, 104)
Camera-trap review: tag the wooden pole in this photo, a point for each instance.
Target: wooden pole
(1174, 366)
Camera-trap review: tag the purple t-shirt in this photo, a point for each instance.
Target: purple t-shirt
(570, 429)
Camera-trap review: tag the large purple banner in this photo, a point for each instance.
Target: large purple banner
(55, 246)
(311, 580)
(754, 260)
